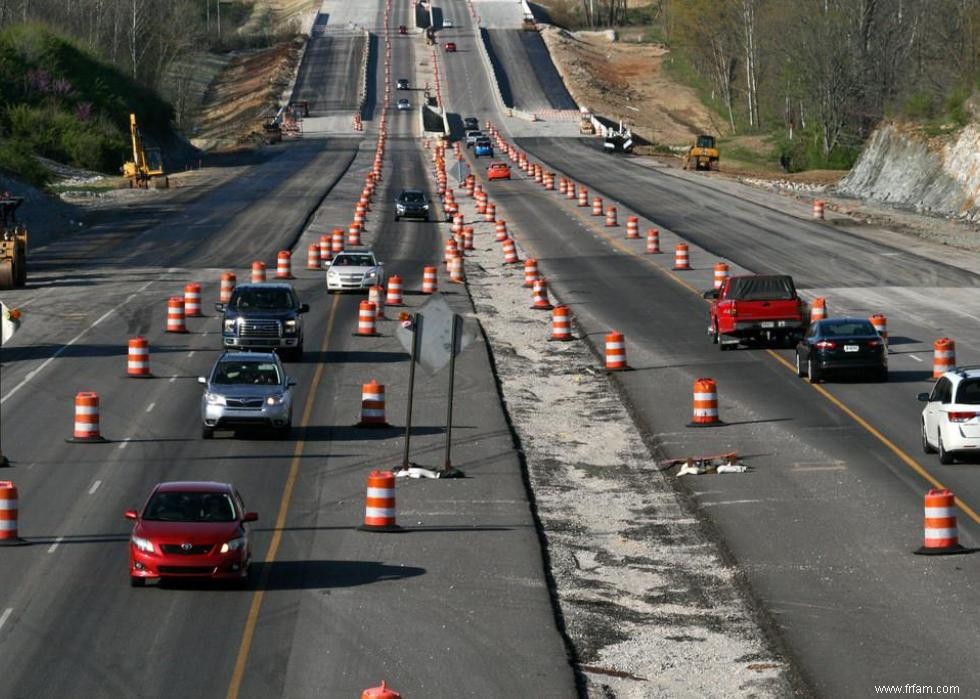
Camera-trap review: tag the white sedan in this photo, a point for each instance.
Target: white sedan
(354, 269)
(403, 105)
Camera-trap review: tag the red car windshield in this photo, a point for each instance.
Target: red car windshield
(190, 507)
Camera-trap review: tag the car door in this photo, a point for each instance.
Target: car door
(803, 348)
(940, 395)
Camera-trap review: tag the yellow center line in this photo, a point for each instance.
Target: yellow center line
(895, 449)
(287, 494)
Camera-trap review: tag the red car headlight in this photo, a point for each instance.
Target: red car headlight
(144, 545)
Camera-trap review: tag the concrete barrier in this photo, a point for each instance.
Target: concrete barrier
(497, 96)
(287, 94)
(364, 73)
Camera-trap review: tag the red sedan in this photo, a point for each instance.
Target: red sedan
(450, 47)
(190, 529)
(498, 171)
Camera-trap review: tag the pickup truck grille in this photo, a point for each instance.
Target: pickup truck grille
(259, 328)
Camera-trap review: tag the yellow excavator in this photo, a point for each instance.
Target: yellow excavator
(147, 163)
(703, 155)
(13, 243)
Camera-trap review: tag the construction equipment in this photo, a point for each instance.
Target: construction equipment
(703, 155)
(13, 244)
(585, 125)
(147, 163)
(618, 141)
(271, 132)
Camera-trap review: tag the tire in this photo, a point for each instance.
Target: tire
(799, 367)
(926, 447)
(945, 457)
(137, 582)
(882, 375)
(396, 218)
(284, 431)
(207, 432)
(812, 373)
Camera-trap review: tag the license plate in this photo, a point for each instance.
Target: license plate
(851, 348)
(768, 324)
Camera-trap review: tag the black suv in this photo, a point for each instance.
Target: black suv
(471, 124)
(412, 203)
(264, 316)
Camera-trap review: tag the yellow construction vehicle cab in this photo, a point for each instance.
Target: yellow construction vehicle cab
(147, 163)
(13, 244)
(703, 155)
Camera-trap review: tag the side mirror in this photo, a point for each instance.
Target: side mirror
(304, 308)
(290, 382)
(219, 307)
(924, 397)
(202, 380)
(710, 294)
(130, 514)
(251, 517)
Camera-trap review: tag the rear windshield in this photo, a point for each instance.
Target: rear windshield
(413, 197)
(969, 392)
(262, 299)
(762, 288)
(845, 328)
(354, 261)
(190, 507)
(257, 373)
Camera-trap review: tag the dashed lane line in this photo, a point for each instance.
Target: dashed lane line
(6, 615)
(150, 407)
(95, 486)
(54, 547)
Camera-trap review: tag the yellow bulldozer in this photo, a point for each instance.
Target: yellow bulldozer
(13, 243)
(147, 163)
(703, 155)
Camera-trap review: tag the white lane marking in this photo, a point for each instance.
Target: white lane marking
(95, 486)
(31, 374)
(173, 378)
(54, 547)
(820, 467)
(122, 444)
(150, 407)
(912, 356)
(191, 353)
(35, 297)
(204, 334)
(730, 502)
(6, 615)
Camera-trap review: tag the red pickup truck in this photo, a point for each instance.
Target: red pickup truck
(755, 308)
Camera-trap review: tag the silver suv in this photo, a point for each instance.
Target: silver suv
(354, 269)
(247, 389)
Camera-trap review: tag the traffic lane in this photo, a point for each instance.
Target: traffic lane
(324, 77)
(528, 77)
(468, 89)
(763, 240)
(813, 469)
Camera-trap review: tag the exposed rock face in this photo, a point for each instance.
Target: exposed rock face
(902, 166)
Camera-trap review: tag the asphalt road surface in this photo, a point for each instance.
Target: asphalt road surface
(527, 76)
(328, 76)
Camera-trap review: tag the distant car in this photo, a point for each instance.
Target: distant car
(471, 124)
(412, 203)
(951, 417)
(402, 84)
(190, 529)
(837, 345)
(354, 269)
(498, 171)
(483, 146)
(402, 29)
(473, 136)
(447, 23)
(248, 390)
(404, 105)
(450, 47)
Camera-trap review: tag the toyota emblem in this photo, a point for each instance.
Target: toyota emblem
(186, 547)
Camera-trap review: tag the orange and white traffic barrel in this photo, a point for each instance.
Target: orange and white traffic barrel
(818, 209)
(379, 503)
(175, 315)
(818, 309)
(394, 296)
(705, 404)
(359, 212)
(325, 248)
(611, 221)
(510, 251)
(227, 286)
(258, 271)
(337, 240)
(615, 351)
(450, 251)
(284, 265)
(313, 256)
(561, 326)
(681, 257)
(570, 191)
(367, 314)
(501, 230)
(941, 535)
(549, 181)
(943, 356)
(597, 206)
(490, 214)
(354, 234)
(86, 418)
(456, 274)
(563, 186)
(583, 196)
(192, 299)
(530, 272)
(468, 238)
(8, 514)
(721, 274)
(540, 292)
(880, 323)
(653, 241)
(138, 358)
(457, 225)
(632, 227)
(372, 405)
(376, 296)
(430, 280)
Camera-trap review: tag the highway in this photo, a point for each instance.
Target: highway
(825, 524)
(512, 51)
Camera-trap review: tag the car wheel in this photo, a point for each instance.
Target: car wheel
(812, 373)
(799, 366)
(883, 375)
(926, 447)
(396, 218)
(944, 456)
(207, 432)
(284, 431)
(137, 582)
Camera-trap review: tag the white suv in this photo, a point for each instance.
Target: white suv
(354, 269)
(951, 418)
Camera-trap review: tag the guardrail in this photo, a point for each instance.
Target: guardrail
(365, 59)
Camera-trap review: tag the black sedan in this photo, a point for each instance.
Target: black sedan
(842, 345)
